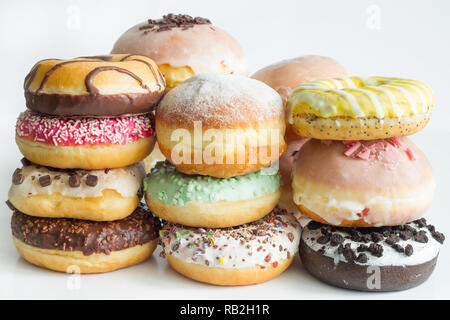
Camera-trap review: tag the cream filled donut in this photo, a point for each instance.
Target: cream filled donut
(357, 108)
(71, 245)
(203, 201)
(363, 183)
(287, 74)
(87, 143)
(221, 125)
(183, 46)
(371, 259)
(243, 255)
(100, 195)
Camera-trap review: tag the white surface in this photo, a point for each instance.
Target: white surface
(410, 39)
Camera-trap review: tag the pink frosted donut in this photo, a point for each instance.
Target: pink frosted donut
(87, 143)
(363, 183)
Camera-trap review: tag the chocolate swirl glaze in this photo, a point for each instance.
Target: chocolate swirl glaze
(86, 236)
(94, 104)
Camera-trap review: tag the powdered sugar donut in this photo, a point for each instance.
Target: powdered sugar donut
(363, 183)
(87, 143)
(100, 195)
(221, 125)
(183, 46)
(243, 255)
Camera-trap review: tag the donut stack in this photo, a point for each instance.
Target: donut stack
(183, 46)
(214, 192)
(76, 199)
(363, 183)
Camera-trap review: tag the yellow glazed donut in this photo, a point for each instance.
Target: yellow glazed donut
(285, 75)
(359, 108)
(203, 201)
(221, 125)
(363, 183)
(249, 254)
(184, 46)
(87, 246)
(100, 195)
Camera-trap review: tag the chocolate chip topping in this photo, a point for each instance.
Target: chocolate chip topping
(86, 236)
(370, 239)
(45, 181)
(74, 181)
(171, 21)
(91, 180)
(17, 177)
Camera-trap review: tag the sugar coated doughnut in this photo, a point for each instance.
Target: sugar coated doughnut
(203, 201)
(108, 85)
(363, 183)
(287, 74)
(70, 245)
(221, 125)
(371, 259)
(248, 254)
(359, 108)
(100, 195)
(183, 46)
(87, 143)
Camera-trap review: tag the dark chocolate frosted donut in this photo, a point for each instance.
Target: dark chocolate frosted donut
(89, 237)
(371, 259)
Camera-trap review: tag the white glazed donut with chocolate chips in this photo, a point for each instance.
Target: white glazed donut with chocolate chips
(404, 256)
(248, 254)
(99, 195)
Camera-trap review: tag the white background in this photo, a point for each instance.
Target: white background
(402, 38)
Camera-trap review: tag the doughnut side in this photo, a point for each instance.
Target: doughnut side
(228, 277)
(111, 206)
(219, 214)
(89, 157)
(222, 153)
(363, 183)
(357, 277)
(75, 261)
(346, 128)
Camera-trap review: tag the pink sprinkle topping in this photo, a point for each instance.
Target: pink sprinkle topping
(395, 141)
(364, 153)
(410, 154)
(364, 213)
(352, 148)
(81, 131)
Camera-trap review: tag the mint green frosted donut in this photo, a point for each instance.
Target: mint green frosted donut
(167, 185)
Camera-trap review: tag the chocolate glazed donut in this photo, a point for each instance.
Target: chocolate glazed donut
(93, 103)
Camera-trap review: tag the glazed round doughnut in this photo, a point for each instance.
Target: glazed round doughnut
(86, 246)
(244, 255)
(108, 85)
(221, 125)
(371, 259)
(100, 195)
(287, 165)
(359, 108)
(287, 74)
(363, 183)
(203, 201)
(183, 46)
(87, 143)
